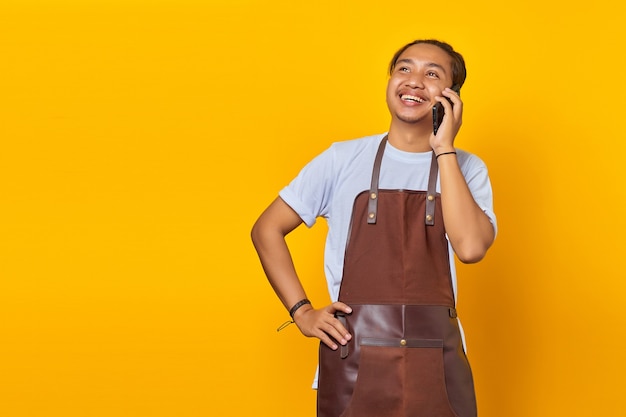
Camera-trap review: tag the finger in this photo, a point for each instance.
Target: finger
(451, 94)
(337, 324)
(333, 333)
(339, 306)
(337, 330)
(320, 324)
(328, 325)
(456, 100)
(447, 106)
(452, 112)
(328, 341)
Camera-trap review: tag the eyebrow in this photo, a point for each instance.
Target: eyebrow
(428, 65)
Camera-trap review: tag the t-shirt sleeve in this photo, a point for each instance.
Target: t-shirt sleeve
(310, 192)
(477, 177)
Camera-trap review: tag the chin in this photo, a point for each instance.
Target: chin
(409, 119)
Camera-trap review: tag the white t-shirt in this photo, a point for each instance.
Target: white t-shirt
(327, 186)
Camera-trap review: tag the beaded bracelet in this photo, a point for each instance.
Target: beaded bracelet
(297, 306)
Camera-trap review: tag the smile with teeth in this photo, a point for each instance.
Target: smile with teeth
(407, 97)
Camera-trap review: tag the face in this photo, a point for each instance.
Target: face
(420, 74)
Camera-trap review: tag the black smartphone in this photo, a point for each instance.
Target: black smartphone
(438, 110)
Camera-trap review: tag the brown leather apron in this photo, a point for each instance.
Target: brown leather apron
(406, 357)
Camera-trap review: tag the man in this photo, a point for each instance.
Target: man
(398, 206)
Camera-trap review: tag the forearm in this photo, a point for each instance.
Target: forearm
(268, 236)
(469, 229)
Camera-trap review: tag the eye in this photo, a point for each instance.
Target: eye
(432, 74)
(403, 69)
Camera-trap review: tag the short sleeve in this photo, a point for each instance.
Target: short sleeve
(477, 178)
(309, 194)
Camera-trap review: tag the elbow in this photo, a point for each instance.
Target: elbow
(471, 254)
(471, 257)
(472, 248)
(255, 234)
(261, 233)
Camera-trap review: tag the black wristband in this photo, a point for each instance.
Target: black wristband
(297, 306)
(445, 153)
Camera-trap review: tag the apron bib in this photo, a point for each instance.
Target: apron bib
(406, 357)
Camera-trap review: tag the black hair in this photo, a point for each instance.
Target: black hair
(459, 72)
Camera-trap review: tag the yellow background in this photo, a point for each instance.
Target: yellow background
(141, 139)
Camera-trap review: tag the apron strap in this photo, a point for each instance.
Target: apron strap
(432, 192)
(372, 205)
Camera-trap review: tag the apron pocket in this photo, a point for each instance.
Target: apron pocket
(400, 377)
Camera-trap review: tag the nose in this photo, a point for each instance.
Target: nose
(415, 81)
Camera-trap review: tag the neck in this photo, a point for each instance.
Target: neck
(410, 138)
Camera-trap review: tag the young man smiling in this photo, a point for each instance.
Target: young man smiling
(398, 206)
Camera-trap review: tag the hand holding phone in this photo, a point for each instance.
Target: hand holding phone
(438, 110)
